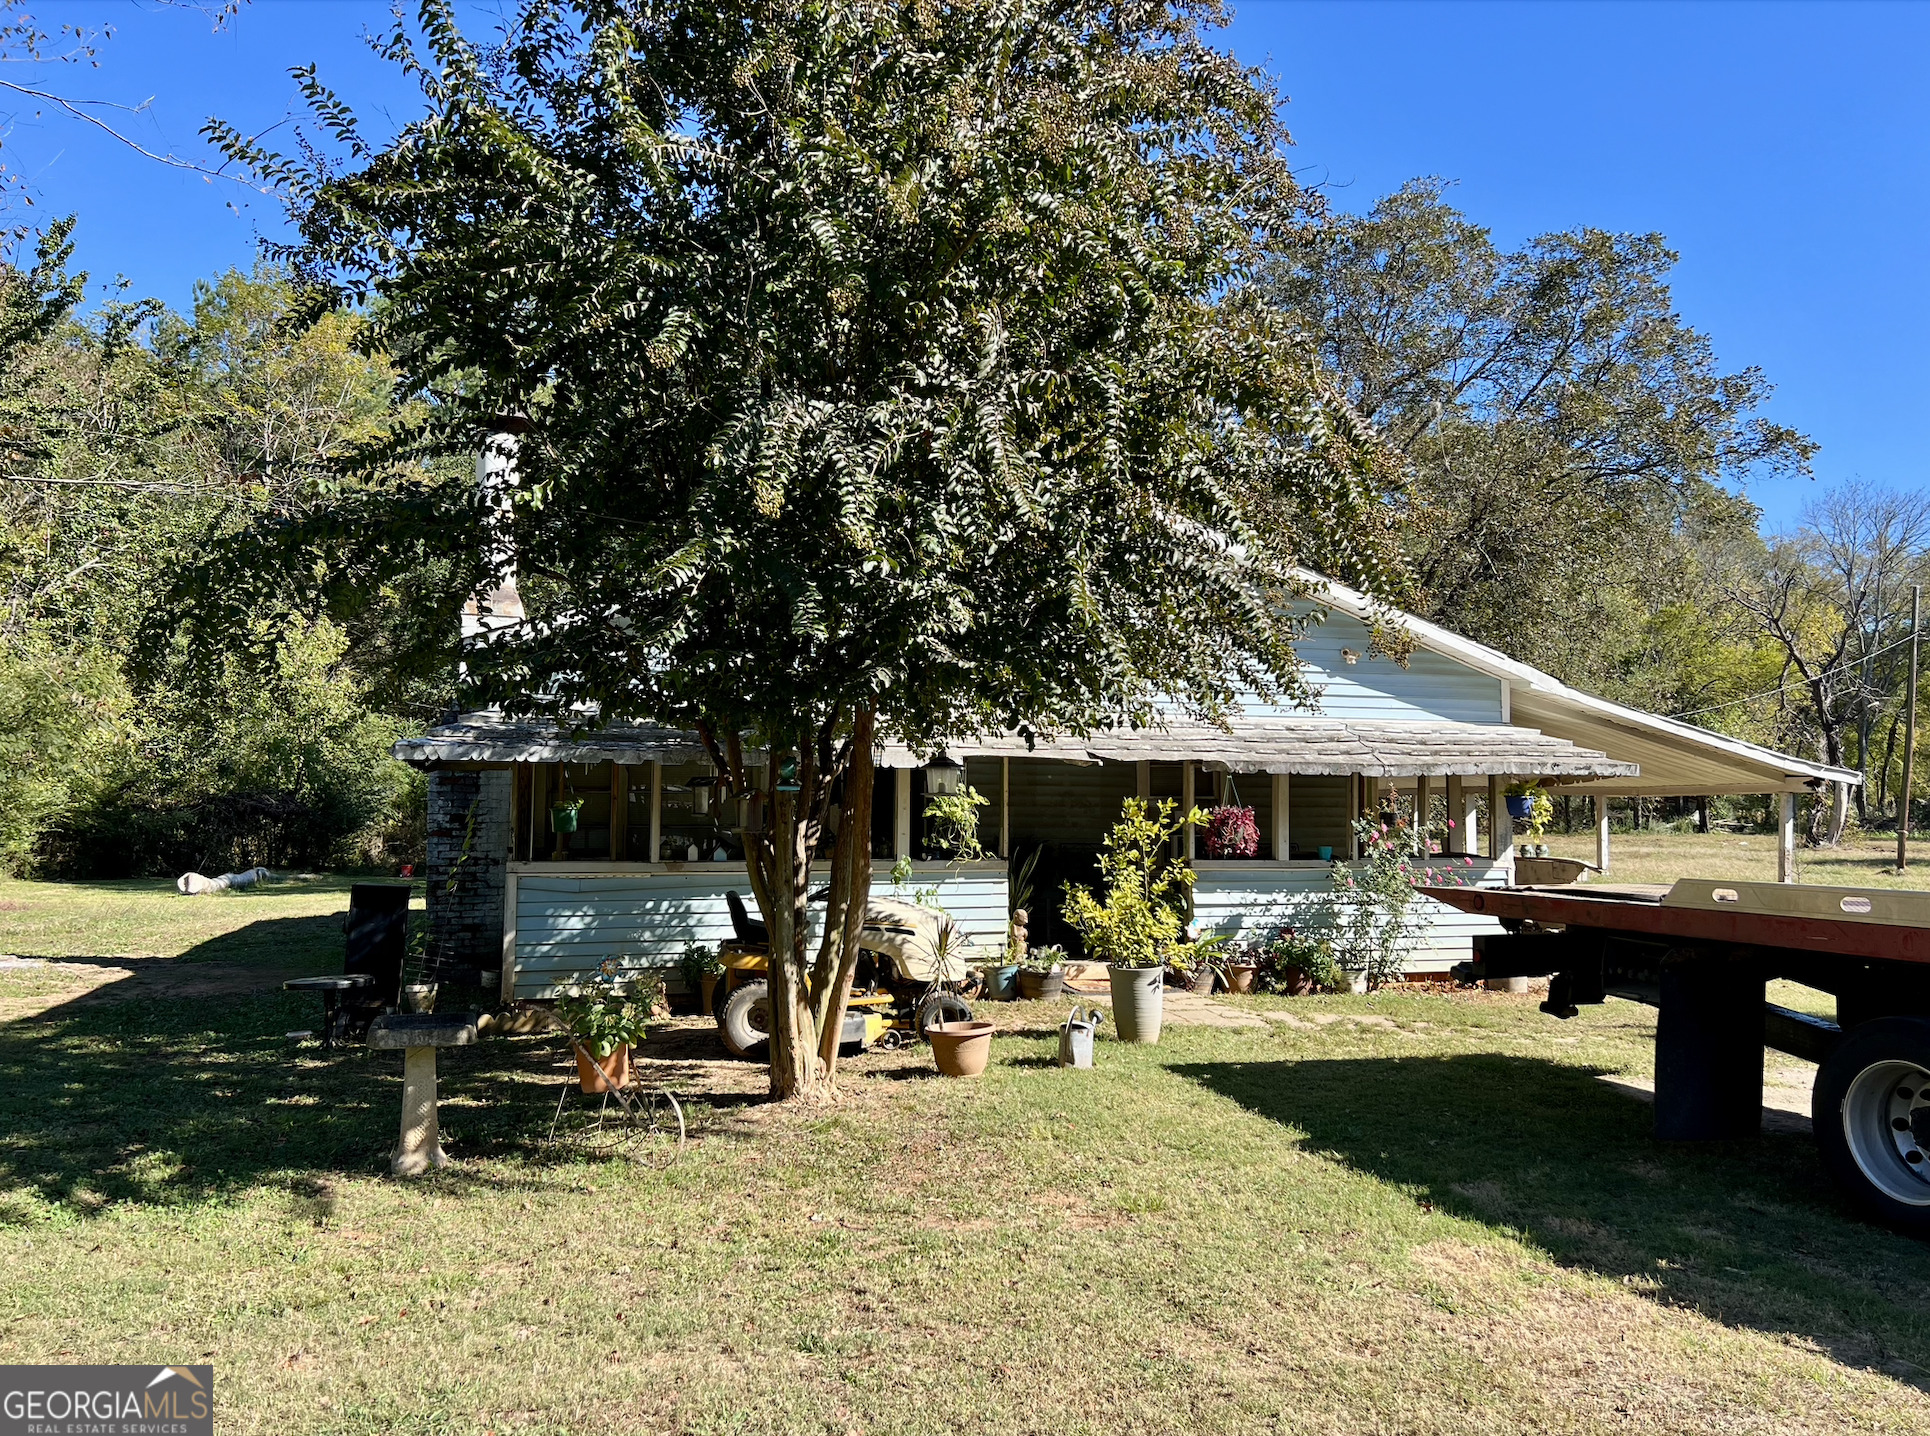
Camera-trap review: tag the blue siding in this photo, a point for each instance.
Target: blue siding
(567, 925)
(1431, 686)
(1245, 900)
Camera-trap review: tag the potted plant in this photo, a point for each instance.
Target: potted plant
(1042, 975)
(700, 968)
(1132, 929)
(954, 823)
(1529, 803)
(563, 814)
(1298, 964)
(605, 1017)
(1201, 963)
(1232, 833)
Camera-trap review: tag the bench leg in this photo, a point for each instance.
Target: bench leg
(1708, 1050)
(421, 1144)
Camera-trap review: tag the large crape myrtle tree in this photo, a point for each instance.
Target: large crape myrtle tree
(882, 371)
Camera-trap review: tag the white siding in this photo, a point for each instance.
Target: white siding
(1243, 900)
(567, 923)
(1431, 686)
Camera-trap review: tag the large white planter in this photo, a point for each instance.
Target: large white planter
(1138, 1002)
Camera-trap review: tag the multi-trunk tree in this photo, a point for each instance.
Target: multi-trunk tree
(881, 371)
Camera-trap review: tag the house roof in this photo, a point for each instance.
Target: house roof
(1314, 745)
(1585, 743)
(1674, 757)
(1307, 745)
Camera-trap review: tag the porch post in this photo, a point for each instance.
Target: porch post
(1786, 838)
(1280, 849)
(1457, 807)
(1601, 831)
(1423, 802)
(1005, 808)
(901, 815)
(1501, 833)
(1353, 815)
(619, 812)
(656, 810)
(1186, 802)
(1144, 776)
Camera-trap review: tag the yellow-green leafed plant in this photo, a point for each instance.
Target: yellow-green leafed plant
(955, 823)
(1139, 918)
(1541, 807)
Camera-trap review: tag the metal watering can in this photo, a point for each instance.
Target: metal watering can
(1076, 1036)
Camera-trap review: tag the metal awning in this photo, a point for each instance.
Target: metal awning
(1316, 746)
(1308, 745)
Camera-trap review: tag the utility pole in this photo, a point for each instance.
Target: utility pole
(1909, 729)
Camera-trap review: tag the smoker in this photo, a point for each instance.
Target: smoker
(378, 938)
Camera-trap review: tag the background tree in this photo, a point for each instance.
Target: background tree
(882, 369)
(1570, 437)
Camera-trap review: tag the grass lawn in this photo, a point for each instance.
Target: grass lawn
(1861, 861)
(1408, 1213)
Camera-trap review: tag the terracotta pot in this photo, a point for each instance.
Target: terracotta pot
(590, 1069)
(1239, 976)
(1202, 981)
(961, 1049)
(1295, 981)
(1041, 986)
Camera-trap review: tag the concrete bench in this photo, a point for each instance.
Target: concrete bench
(419, 1034)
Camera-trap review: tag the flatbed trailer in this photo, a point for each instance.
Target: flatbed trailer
(1702, 952)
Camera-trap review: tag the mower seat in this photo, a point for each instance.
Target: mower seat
(752, 932)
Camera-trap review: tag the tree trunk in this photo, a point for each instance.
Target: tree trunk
(838, 959)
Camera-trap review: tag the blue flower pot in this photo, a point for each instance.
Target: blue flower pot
(1522, 807)
(1002, 983)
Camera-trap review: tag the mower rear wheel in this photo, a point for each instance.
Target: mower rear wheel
(941, 1007)
(745, 1023)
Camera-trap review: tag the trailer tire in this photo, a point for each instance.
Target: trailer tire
(1871, 1112)
(746, 1022)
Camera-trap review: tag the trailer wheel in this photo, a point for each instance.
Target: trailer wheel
(746, 1023)
(1871, 1110)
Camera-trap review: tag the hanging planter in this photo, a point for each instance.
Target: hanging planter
(1521, 808)
(1232, 833)
(563, 815)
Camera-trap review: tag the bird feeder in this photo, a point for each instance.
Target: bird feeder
(701, 788)
(787, 776)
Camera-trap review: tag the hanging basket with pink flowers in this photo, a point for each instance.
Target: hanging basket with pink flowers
(1232, 833)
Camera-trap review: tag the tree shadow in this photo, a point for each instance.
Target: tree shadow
(168, 1087)
(1747, 1233)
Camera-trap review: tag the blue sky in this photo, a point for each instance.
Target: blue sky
(1783, 149)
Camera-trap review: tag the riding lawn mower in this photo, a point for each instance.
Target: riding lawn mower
(911, 972)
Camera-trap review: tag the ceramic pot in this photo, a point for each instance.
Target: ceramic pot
(1522, 807)
(1138, 1002)
(419, 997)
(1295, 982)
(961, 1049)
(1201, 982)
(563, 820)
(1239, 976)
(709, 982)
(1002, 982)
(1354, 980)
(590, 1069)
(1041, 986)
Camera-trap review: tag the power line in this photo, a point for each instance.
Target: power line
(1783, 687)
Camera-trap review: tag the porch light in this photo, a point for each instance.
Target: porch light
(701, 788)
(942, 776)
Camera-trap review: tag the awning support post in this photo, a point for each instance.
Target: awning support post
(1280, 795)
(1423, 802)
(1786, 838)
(901, 815)
(1601, 831)
(1501, 832)
(1186, 802)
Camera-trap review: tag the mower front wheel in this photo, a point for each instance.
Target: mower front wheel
(745, 1022)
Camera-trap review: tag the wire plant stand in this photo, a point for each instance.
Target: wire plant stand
(643, 1121)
